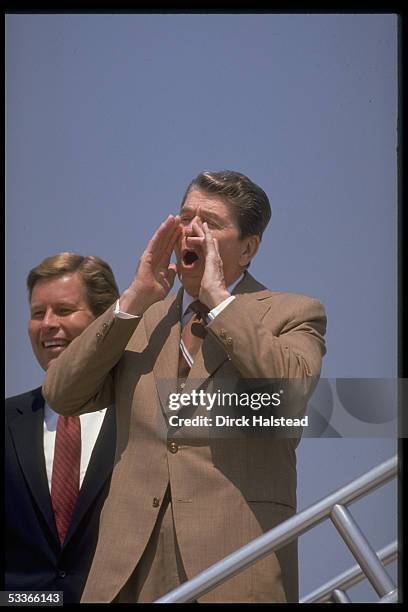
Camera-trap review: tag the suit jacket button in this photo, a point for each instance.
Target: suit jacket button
(105, 325)
(229, 341)
(62, 574)
(98, 335)
(173, 447)
(156, 502)
(223, 333)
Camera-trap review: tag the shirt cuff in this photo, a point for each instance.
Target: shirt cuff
(124, 315)
(216, 311)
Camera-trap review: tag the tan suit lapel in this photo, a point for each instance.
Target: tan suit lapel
(249, 285)
(163, 329)
(207, 361)
(212, 355)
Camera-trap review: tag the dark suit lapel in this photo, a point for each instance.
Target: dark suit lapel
(27, 432)
(99, 469)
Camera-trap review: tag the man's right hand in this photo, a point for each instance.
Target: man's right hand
(155, 274)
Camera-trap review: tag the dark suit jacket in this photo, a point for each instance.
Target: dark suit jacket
(34, 558)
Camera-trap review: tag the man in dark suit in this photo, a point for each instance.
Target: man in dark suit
(183, 497)
(67, 292)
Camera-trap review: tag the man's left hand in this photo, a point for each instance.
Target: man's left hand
(213, 290)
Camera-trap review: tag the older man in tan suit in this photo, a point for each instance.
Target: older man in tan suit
(183, 497)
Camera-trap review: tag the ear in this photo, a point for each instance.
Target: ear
(250, 246)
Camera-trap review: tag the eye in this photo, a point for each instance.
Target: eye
(211, 224)
(37, 314)
(63, 312)
(185, 220)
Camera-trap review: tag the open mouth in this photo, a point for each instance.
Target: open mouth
(189, 258)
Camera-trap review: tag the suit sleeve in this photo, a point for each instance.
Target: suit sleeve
(81, 379)
(244, 330)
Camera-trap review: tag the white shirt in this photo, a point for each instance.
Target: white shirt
(187, 314)
(91, 424)
(187, 299)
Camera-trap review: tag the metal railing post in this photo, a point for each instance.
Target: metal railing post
(390, 598)
(361, 549)
(340, 596)
(350, 577)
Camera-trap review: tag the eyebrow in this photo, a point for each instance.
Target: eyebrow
(35, 306)
(203, 213)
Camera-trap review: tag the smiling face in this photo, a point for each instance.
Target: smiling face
(59, 313)
(234, 251)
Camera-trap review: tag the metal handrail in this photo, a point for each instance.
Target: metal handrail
(390, 598)
(349, 577)
(280, 535)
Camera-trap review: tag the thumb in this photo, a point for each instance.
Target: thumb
(217, 250)
(171, 274)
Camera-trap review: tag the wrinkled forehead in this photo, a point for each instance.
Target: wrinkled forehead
(207, 204)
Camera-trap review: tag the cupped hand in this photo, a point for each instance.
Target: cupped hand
(155, 274)
(213, 289)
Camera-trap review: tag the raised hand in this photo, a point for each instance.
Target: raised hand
(155, 274)
(213, 289)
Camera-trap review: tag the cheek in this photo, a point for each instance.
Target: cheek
(33, 331)
(77, 324)
(227, 247)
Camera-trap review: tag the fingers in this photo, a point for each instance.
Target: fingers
(216, 247)
(165, 237)
(198, 237)
(193, 242)
(173, 238)
(169, 234)
(198, 229)
(212, 289)
(172, 271)
(160, 234)
(210, 243)
(195, 229)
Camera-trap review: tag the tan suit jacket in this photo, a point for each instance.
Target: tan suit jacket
(225, 492)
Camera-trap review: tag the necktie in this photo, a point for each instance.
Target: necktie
(65, 472)
(192, 337)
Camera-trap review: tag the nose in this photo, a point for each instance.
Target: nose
(50, 319)
(189, 227)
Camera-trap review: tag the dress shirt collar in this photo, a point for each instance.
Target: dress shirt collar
(187, 299)
(51, 417)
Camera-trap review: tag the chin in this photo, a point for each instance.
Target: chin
(48, 363)
(191, 285)
(45, 366)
